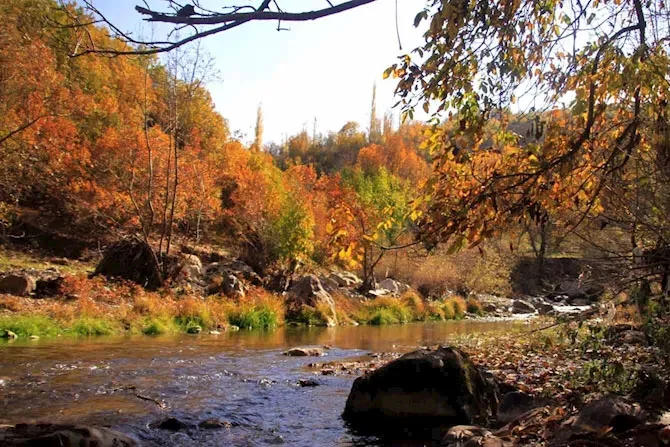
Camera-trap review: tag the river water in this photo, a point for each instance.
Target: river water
(240, 377)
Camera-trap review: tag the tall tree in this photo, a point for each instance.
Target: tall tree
(375, 131)
(258, 135)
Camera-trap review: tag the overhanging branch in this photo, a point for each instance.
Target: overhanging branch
(203, 25)
(261, 14)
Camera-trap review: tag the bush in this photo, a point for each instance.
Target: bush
(460, 306)
(158, 326)
(474, 307)
(448, 310)
(435, 311)
(415, 304)
(383, 316)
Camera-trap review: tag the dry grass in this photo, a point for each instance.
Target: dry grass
(434, 275)
(96, 307)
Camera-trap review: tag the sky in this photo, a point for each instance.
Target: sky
(324, 69)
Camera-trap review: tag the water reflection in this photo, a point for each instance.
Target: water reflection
(240, 377)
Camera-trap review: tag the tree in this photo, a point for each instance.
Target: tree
(200, 21)
(258, 135)
(375, 131)
(603, 158)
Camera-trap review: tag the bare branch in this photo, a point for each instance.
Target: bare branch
(261, 14)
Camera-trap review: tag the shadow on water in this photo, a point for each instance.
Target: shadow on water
(239, 377)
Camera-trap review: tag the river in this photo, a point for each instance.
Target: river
(240, 377)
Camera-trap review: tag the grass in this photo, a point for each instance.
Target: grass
(96, 307)
(26, 325)
(88, 326)
(17, 260)
(158, 326)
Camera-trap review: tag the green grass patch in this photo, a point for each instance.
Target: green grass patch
(383, 316)
(310, 316)
(158, 326)
(255, 318)
(90, 326)
(24, 325)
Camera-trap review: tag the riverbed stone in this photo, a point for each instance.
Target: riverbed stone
(471, 436)
(427, 387)
(53, 435)
(214, 423)
(306, 383)
(305, 352)
(6, 333)
(609, 412)
(171, 424)
(514, 404)
(461, 433)
(633, 337)
(522, 307)
(17, 284)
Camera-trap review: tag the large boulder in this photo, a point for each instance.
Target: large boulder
(18, 284)
(329, 284)
(608, 413)
(425, 388)
(131, 260)
(191, 267)
(52, 435)
(522, 307)
(395, 287)
(345, 279)
(308, 291)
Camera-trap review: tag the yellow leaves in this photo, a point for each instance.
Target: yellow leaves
(415, 215)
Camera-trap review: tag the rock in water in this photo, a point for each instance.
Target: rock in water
(424, 388)
(51, 435)
(6, 333)
(305, 352)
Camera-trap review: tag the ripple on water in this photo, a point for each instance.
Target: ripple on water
(240, 377)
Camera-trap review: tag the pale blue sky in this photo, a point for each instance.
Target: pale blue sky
(323, 69)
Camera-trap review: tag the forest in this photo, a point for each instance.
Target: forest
(537, 191)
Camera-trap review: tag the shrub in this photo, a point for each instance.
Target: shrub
(448, 310)
(459, 304)
(383, 316)
(157, 326)
(258, 310)
(193, 312)
(415, 304)
(435, 311)
(474, 307)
